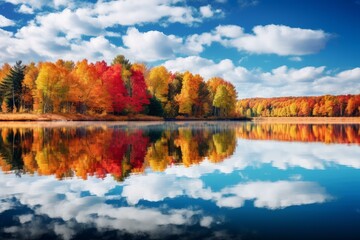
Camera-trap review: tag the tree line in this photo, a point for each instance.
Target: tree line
(320, 106)
(120, 88)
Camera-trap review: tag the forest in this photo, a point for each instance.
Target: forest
(125, 88)
(121, 88)
(320, 106)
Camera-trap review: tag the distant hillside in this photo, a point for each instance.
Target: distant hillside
(320, 106)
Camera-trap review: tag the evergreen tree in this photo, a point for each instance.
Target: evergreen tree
(11, 87)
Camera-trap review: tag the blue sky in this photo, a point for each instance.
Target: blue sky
(265, 48)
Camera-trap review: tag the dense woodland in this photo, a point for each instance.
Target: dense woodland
(120, 88)
(323, 106)
(124, 88)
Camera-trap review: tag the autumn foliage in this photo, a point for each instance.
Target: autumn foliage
(322, 106)
(120, 88)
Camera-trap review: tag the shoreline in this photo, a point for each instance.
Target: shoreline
(308, 120)
(58, 117)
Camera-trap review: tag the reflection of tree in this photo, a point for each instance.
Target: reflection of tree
(189, 146)
(10, 148)
(119, 151)
(224, 144)
(327, 133)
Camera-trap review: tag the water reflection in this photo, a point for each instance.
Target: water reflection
(118, 150)
(121, 150)
(176, 180)
(326, 133)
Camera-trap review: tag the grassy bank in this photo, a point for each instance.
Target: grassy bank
(314, 120)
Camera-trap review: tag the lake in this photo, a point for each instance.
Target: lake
(179, 180)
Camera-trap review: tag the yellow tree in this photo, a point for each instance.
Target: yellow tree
(139, 67)
(51, 87)
(189, 93)
(88, 90)
(157, 83)
(29, 87)
(4, 71)
(230, 93)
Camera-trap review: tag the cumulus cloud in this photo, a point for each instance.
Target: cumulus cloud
(281, 81)
(109, 13)
(32, 5)
(26, 9)
(5, 22)
(269, 39)
(60, 32)
(142, 11)
(281, 40)
(206, 11)
(151, 45)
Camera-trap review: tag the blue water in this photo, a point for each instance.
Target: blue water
(265, 189)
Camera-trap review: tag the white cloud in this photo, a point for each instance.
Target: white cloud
(353, 74)
(5, 22)
(39, 4)
(143, 11)
(281, 40)
(63, 31)
(208, 68)
(206, 11)
(229, 31)
(151, 45)
(284, 75)
(110, 13)
(281, 81)
(26, 9)
(270, 39)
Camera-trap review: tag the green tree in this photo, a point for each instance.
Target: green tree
(11, 87)
(126, 71)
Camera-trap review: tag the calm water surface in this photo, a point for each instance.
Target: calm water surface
(216, 180)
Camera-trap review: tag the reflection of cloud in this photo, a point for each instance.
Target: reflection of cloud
(284, 155)
(271, 195)
(155, 187)
(63, 201)
(274, 195)
(6, 205)
(281, 155)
